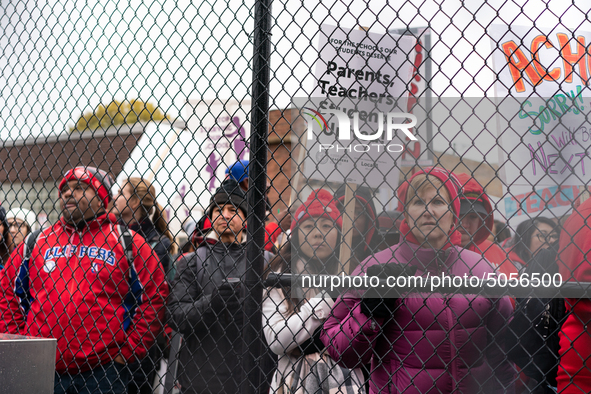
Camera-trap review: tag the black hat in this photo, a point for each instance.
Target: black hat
(468, 205)
(3, 220)
(229, 192)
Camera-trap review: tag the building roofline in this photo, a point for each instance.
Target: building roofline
(113, 131)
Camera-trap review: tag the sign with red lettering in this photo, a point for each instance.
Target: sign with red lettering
(417, 152)
(528, 60)
(544, 132)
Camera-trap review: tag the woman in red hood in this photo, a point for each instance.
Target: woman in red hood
(477, 221)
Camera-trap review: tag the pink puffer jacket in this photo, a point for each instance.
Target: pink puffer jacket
(432, 343)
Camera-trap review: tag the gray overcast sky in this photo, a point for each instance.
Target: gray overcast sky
(60, 59)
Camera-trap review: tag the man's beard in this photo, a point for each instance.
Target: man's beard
(72, 217)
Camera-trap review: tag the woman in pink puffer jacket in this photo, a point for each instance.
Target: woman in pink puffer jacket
(426, 343)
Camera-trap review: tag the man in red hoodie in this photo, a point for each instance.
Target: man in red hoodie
(101, 300)
(477, 221)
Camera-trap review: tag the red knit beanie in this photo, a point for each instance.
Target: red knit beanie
(98, 179)
(320, 203)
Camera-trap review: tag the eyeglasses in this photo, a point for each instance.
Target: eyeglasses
(17, 224)
(544, 237)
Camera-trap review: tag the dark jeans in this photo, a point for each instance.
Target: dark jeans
(142, 373)
(109, 378)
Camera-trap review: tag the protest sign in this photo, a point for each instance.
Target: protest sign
(529, 60)
(364, 73)
(543, 133)
(549, 201)
(418, 152)
(186, 165)
(357, 120)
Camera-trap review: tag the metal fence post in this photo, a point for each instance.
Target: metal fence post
(256, 198)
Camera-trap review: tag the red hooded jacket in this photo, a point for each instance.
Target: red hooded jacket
(480, 244)
(79, 288)
(574, 371)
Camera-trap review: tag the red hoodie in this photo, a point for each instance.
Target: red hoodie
(79, 288)
(480, 244)
(574, 371)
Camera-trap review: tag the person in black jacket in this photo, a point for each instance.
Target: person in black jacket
(5, 238)
(205, 304)
(533, 341)
(136, 207)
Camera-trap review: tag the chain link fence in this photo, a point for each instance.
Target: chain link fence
(298, 197)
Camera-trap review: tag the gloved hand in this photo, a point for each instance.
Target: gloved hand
(225, 298)
(377, 307)
(372, 304)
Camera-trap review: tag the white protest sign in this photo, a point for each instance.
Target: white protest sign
(223, 124)
(357, 107)
(543, 131)
(545, 142)
(186, 165)
(172, 160)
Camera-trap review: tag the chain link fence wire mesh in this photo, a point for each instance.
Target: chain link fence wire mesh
(351, 196)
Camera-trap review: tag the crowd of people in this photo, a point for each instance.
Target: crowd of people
(107, 282)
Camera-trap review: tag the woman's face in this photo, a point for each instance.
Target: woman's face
(318, 237)
(542, 237)
(125, 204)
(429, 217)
(18, 230)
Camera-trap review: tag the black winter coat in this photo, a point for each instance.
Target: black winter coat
(157, 241)
(533, 334)
(210, 356)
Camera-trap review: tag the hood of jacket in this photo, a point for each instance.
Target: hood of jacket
(471, 187)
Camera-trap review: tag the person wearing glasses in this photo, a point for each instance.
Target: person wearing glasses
(533, 332)
(531, 236)
(21, 222)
